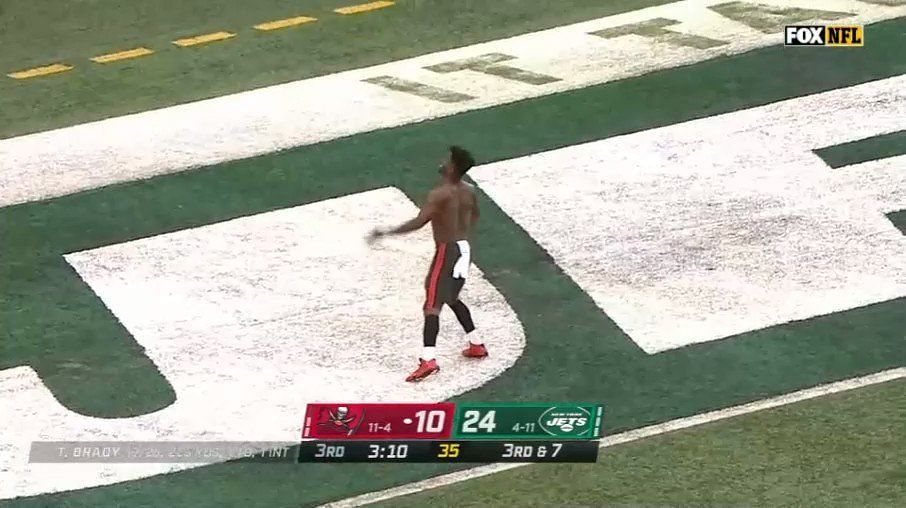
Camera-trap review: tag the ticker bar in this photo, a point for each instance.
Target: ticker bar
(449, 451)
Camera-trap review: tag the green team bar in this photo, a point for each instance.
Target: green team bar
(495, 421)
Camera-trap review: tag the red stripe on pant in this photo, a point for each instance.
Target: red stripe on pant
(435, 276)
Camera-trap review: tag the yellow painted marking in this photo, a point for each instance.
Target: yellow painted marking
(284, 23)
(122, 55)
(40, 71)
(202, 39)
(355, 9)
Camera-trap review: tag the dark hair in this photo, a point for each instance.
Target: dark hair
(462, 159)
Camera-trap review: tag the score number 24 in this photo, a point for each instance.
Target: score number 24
(473, 422)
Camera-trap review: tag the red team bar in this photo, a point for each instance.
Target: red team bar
(378, 421)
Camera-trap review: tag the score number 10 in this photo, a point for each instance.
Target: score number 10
(430, 421)
(473, 421)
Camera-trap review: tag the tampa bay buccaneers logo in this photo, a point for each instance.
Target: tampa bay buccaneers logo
(343, 420)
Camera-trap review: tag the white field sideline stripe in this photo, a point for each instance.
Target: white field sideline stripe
(169, 140)
(632, 435)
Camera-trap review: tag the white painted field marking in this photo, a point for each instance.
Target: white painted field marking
(250, 319)
(630, 436)
(242, 125)
(724, 225)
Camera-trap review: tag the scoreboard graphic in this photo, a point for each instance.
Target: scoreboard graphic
(448, 432)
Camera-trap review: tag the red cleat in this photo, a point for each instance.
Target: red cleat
(424, 370)
(475, 351)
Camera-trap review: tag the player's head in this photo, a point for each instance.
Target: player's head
(457, 164)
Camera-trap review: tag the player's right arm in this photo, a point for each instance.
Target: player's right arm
(475, 212)
(425, 215)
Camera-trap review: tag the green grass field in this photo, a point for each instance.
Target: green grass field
(840, 450)
(46, 31)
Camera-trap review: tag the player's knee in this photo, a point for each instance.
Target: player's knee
(432, 311)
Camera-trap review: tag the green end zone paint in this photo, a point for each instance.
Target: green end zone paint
(899, 220)
(419, 89)
(771, 19)
(657, 30)
(863, 150)
(491, 64)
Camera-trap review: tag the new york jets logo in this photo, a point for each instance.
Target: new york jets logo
(565, 421)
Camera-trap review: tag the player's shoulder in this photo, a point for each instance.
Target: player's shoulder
(462, 185)
(470, 190)
(439, 193)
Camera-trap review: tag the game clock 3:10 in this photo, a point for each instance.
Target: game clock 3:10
(388, 451)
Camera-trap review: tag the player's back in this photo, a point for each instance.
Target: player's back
(454, 219)
(465, 209)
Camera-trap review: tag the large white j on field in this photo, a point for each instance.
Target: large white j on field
(249, 320)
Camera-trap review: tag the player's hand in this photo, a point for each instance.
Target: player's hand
(375, 235)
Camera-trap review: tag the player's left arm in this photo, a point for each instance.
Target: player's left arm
(424, 216)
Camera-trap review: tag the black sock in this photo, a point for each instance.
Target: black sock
(432, 326)
(463, 315)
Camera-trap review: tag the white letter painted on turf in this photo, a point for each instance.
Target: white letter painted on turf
(248, 320)
(721, 226)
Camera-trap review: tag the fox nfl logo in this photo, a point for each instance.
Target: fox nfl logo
(825, 35)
